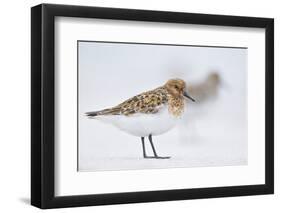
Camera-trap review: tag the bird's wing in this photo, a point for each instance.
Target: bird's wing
(109, 111)
(147, 103)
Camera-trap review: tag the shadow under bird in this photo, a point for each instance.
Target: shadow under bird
(148, 114)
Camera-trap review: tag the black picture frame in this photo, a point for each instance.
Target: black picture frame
(43, 102)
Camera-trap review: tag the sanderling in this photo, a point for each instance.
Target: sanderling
(206, 92)
(148, 114)
(207, 89)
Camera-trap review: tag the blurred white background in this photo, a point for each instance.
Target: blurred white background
(15, 107)
(212, 133)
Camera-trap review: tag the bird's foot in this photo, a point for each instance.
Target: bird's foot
(157, 157)
(149, 157)
(160, 157)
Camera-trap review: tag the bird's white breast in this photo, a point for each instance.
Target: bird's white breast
(141, 124)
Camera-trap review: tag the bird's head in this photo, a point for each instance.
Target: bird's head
(213, 78)
(177, 88)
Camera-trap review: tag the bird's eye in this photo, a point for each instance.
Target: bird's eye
(176, 86)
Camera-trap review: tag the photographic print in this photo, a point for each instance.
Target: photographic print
(134, 95)
(157, 106)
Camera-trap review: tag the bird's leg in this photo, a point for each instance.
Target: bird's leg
(143, 147)
(153, 149)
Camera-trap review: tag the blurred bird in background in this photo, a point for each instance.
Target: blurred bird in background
(207, 89)
(206, 93)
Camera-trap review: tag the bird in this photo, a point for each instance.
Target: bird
(207, 89)
(206, 92)
(148, 114)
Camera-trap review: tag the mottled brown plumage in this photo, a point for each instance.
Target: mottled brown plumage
(171, 93)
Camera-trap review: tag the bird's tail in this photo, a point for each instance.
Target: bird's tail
(109, 111)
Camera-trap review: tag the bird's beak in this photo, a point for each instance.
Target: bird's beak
(185, 94)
